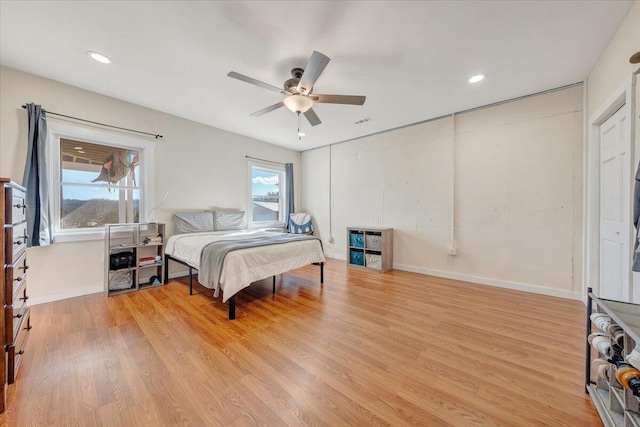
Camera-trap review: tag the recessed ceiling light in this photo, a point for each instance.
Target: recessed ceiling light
(476, 78)
(302, 134)
(99, 57)
(81, 152)
(77, 148)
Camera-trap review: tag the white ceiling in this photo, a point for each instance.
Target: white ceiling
(411, 59)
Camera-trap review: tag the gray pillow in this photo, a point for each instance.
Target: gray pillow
(228, 220)
(193, 222)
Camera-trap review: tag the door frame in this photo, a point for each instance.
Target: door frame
(622, 98)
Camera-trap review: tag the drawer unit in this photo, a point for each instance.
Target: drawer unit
(17, 348)
(14, 313)
(15, 241)
(15, 277)
(16, 206)
(16, 321)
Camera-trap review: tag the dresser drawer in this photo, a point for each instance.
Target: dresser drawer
(15, 277)
(15, 206)
(16, 349)
(16, 238)
(14, 316)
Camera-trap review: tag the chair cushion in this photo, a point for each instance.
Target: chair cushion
(300, 223)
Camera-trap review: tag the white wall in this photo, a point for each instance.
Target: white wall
(201, 167)
(614, 67)
(611, 74)
(518, 178)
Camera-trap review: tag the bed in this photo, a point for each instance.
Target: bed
(229, 261)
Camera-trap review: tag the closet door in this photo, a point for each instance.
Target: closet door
(615, 224)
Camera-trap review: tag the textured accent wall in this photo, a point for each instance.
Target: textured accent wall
(518, 193)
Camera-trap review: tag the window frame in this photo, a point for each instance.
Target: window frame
(57, 130)
(282, 191)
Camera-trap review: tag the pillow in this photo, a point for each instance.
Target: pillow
(193, 222)
(228, 220)
(300, 223)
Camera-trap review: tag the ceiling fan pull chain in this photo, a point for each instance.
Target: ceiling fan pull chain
(299, 136)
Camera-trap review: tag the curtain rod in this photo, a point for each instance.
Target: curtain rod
(264, 160)
(156, 136)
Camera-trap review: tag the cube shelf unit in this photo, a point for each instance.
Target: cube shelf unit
(616, 405)
(370, 247)
(130, 241)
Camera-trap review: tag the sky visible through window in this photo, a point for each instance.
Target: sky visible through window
(70, 176)
(263, 182)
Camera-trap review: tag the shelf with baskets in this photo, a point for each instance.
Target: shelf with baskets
(612, 366)
(370, 247)
(134, 255)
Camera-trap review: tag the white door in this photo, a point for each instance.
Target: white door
(615, 221)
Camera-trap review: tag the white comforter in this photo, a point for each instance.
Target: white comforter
(245, 266)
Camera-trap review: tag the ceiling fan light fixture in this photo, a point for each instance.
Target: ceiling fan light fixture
(298, 103)
(477, 78)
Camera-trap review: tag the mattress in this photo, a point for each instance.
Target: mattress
(245, 266)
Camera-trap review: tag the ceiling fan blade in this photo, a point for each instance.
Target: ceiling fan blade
(312, 117)
(268, 109)
(253, 81)
(314, 68)
(339, 99)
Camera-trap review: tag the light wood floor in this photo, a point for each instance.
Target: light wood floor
(366, 349)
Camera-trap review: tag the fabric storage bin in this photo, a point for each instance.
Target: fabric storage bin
(356, 240)
(119, 280)
(374, 261)
(374, 242)
(120, 260)
(356, 257)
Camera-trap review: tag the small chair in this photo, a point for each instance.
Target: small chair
(300, 223)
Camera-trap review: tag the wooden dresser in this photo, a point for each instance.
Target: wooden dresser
(15, 324)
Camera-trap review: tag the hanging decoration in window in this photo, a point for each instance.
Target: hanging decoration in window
(117, 165)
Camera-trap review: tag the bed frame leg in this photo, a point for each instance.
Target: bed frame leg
(232, 308)
(274, 284)
(166, 271)
(190, 281)
(322, 272)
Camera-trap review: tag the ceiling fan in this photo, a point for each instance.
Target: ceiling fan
(298, 90)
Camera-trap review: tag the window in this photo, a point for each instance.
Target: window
(97, 178)
(267, 195)
(97, 185)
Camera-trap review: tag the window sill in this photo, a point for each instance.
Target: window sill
(78, 237)
(267, 225)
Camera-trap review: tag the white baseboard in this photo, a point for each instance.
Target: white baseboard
(179, 273)
(449, 275)
(493, 282)
(65, 295)
(85, 291)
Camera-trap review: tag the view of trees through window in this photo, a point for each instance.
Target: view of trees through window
(99, 184)
(265, 194)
